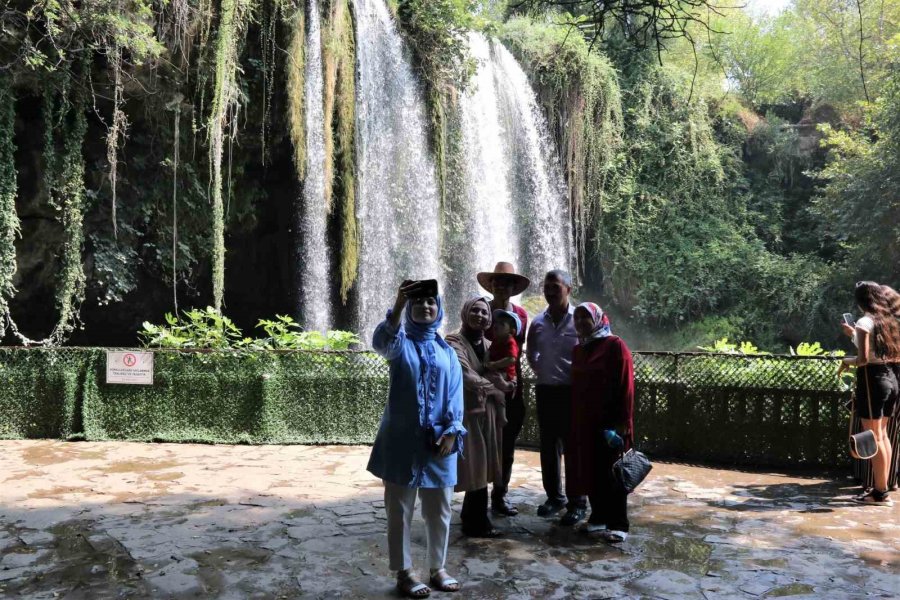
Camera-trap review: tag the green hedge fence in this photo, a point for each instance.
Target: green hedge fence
(745, 410)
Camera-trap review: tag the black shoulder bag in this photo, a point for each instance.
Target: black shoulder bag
(862, 444)
(631, 469)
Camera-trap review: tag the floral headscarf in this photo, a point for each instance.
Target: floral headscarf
(601, 321)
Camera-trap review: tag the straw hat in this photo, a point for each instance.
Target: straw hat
(520, 282)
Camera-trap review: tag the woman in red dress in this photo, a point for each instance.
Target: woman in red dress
(602, 421)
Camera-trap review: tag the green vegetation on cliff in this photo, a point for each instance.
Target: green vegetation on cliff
(738, 188)
(9, 219)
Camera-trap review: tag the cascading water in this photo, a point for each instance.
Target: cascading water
(513, 190)
(487, 190)
(537, 184)
(315, 270)
(398, 202)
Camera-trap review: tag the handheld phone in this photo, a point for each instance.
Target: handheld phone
(848, 319)
(424, 288)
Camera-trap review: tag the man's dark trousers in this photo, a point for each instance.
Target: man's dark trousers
(554, 409)
(515, 417)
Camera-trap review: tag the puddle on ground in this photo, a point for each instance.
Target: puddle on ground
(87, 571)
(300, 512)
(140, 466)
(777, 563)
(164, 476)
(23, 475)
(685, 554)
(47, 455)
(57, 491)
(212, 564)
(205, 504)
(888, 557)
(793, 589)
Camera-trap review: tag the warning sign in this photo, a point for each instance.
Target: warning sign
(134, 368)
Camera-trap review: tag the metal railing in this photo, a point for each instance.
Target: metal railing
(735, 409)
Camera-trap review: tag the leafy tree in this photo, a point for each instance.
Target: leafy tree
(830, 51)
(437, 31)
(860, 201)
(645, 24)
(759, 56)
(843, 45)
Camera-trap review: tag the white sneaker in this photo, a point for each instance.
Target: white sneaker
(615, 537)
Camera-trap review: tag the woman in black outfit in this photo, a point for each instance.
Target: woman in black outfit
(877, 338)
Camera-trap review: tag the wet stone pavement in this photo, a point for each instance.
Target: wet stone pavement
(125, 520)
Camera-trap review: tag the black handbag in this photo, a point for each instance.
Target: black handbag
(862, 444)
(631, 469)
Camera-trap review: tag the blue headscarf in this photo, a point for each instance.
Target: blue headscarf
(421, 335)
(423, 332)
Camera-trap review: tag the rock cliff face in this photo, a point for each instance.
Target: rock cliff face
(129, 278)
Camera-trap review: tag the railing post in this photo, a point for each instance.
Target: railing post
(676, 417)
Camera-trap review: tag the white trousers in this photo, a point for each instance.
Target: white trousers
(399, 504)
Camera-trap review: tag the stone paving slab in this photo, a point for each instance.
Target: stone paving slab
(126, 520)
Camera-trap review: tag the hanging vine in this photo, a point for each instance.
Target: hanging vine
(592, 148)
(295, 64)
(9, 220)
(64, 118)
(339, 62)
(222, 118)
(117, 128)
(271, 14)
(176, 143)
(334, 53)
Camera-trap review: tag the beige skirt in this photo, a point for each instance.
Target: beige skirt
(481, 460)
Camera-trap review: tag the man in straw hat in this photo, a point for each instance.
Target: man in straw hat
(503, 283)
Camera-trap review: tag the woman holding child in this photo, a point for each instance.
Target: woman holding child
(483, 420)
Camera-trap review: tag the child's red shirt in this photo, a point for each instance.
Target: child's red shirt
(500, 350)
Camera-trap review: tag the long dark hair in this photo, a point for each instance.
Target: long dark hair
(883, 304)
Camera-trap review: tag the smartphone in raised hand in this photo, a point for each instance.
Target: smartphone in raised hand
(848, 319)
(424, 288)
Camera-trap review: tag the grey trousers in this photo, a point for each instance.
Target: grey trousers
(399, 504)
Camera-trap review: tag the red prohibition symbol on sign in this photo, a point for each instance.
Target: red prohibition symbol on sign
(130, 360)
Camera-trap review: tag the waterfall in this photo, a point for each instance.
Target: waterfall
(487, 190)
(514, 192)
(315, 270)
(537, 185)
(398, 201)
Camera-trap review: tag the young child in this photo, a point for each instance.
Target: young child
(504, 349)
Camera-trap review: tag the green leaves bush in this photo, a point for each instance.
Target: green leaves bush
(208, 329)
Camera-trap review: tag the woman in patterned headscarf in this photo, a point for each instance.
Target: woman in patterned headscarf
(484, 418)
(602, 421)
(420, 435)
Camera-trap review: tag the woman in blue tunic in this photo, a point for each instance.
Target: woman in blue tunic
(420, 434)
